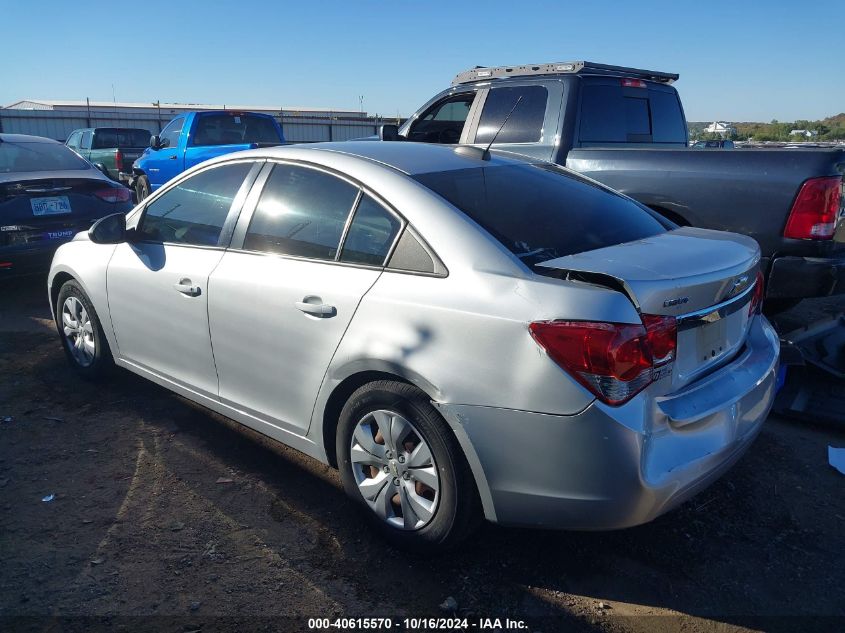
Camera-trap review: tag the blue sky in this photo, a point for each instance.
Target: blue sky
(738, 61)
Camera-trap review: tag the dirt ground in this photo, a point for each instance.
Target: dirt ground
(164, 510)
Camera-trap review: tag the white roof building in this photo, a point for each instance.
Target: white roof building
(720, 127)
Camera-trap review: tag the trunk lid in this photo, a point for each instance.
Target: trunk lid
(703, 278)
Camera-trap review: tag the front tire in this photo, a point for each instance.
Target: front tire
(401, 463)
(82, 335)
(142, 188)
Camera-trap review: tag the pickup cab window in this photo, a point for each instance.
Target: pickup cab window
(444, 121)
(86, 140)
(170, 134)
(234, 129)
(611, 113)
(525, 124)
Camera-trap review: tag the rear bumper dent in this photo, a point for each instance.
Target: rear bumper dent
(592, 471)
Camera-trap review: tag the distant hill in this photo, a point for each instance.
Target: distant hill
(827, 129)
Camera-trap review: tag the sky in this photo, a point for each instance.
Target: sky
(738, 61)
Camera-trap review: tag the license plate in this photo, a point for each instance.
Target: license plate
(712, 339)
(57, 205)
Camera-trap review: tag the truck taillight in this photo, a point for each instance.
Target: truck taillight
(614, 361)
(118, 160)
(813, 214)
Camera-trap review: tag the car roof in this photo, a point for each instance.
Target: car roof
(405, 156)
(25, 138)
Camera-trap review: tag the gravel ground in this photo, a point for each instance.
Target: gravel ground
(164, 510)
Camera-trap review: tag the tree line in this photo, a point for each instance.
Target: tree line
(829, 129)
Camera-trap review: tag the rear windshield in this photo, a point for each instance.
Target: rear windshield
(105, 139)
(234, 129)
(539, 212)
(21, 157)
(611, 113)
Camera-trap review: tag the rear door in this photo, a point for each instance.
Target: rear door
(284, 294)
(85, 144)
(522, 117)
(158, 281)
(166, 162)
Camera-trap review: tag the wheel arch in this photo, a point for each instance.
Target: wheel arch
(374, 371)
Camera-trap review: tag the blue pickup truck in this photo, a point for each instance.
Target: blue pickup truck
(193, 137)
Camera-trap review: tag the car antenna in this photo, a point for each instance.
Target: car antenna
(471, 150)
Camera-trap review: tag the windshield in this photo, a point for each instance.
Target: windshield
(120, 138)
(539, 212)
(33, 156)
(234, 129)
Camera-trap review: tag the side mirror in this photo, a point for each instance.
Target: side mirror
(155, 141)
(109, 230)
(388, 132)
(103, 169)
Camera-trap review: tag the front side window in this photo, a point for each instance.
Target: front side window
(540, 213)
(444, 121)
(195, 210)
(170, 134)
(73, 141)
(370, 234)
(525, 124)
(301, 212)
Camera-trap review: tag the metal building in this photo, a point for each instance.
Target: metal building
(57, 119)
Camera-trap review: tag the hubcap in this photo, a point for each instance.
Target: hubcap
(395, 470)
(79, 332)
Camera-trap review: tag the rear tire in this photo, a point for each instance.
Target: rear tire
(142, 188)
(421, 505)
(82, 335)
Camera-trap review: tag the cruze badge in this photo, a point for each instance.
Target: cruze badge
(677, 301)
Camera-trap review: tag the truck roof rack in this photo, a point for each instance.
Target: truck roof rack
(480, 73)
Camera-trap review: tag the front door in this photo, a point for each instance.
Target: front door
(167, 162)
(158, 282)
(280, 304)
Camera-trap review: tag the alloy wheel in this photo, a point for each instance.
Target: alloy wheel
(79, 331)
(395, 470)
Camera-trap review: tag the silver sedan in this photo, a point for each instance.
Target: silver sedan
(462, 335)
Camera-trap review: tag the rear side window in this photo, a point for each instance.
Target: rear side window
(525, 124)
(370, 234)
(86, 140)
(301, 212)
(234, 129)
(195, 210)
(539, 212)
(21, 157)
(109, 138)
(613, 114)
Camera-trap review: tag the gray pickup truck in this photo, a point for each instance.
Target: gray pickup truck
(625, 127)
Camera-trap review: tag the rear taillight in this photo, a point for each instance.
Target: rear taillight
(615, 361)
(813, 215)
(114, 194)
(757, 297)
(118, 160)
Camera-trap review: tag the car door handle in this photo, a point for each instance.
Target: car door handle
(187, 288)
(172, 157)
(315, 307)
